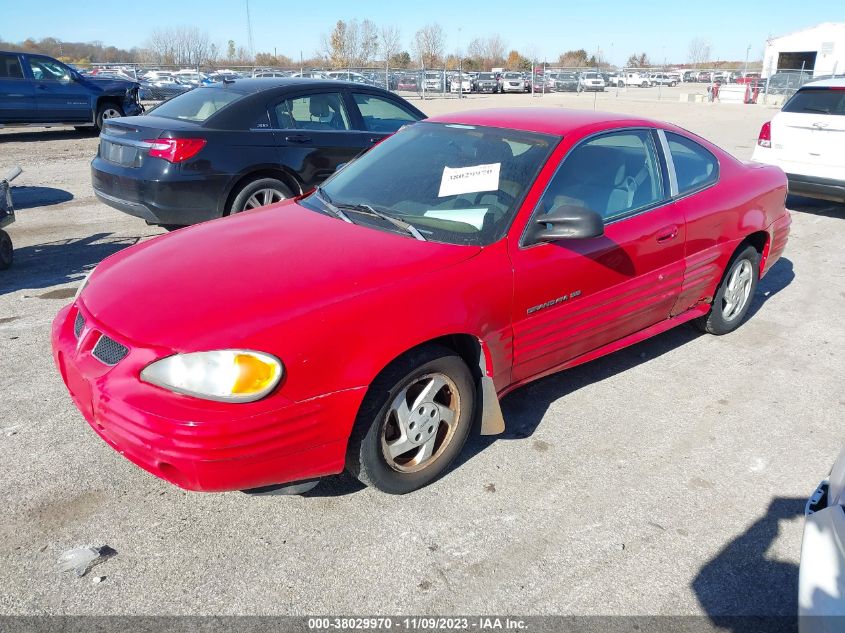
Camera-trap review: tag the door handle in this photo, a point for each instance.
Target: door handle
(664, 235)
(41, 87)
(298, 138)
(376, 139)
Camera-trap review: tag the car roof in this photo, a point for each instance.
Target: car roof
(557, 121)
(838, 82)
(257, 84)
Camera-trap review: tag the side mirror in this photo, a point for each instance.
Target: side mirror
(567, 223)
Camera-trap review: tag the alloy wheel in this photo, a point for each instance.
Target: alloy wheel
(262, 198)
(420, 422)
(737, 290)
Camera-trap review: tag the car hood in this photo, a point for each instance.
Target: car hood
(116, 86)
(215, 283)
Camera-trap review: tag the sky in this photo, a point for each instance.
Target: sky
(662, 29)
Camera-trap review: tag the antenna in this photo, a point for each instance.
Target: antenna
(249, 29)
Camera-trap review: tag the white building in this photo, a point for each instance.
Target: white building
(819, 49)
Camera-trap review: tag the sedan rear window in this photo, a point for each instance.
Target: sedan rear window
(817, 101)
(198, 104)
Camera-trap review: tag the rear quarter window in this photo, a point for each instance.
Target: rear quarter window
(695, 167)
(817, 101)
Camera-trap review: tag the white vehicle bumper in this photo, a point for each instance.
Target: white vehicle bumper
(805, 179)
(821, 578)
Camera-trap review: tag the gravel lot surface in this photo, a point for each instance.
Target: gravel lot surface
(668, 478)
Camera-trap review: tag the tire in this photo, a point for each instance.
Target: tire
(404, 385)
(725, 315)
(107, 110)
(7, 254)
(259, 193)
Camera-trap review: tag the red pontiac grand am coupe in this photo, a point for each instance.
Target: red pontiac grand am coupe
(364, 325)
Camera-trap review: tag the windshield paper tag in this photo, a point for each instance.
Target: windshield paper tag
(458, 180)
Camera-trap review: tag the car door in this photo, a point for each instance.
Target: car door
(314, 133)
(17, 94)
(574, 296)
(59, 97)
(378, 116)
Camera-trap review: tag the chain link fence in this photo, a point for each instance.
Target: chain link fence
(750, 85)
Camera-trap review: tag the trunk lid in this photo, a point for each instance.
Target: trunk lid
(124, 141)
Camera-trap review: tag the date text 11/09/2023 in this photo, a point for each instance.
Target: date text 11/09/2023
(482, 623)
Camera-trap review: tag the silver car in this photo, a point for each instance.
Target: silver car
(821, 578)
(590, 81)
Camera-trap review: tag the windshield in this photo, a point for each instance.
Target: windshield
(198, 104)
(513, 76)
(454, 183)
(817, 101)
(486, 76)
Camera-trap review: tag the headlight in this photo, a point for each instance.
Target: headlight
(83, 284)
(230, 375)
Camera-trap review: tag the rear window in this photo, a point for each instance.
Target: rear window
(817, 101)
(198, 105)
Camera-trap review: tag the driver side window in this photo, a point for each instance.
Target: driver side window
(615, 174)
(44, 69)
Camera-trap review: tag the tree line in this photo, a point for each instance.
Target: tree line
(350, 44)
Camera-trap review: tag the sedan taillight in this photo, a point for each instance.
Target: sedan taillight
(175, 150)
(765, 138)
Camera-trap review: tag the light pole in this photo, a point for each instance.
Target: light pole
(460, 68)
(747, 53)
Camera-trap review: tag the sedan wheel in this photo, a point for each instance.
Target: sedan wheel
(413, 421)
(734, 294)
(260, 193)
(262, 198)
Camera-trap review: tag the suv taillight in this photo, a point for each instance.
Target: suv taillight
(175, 150)
(765, 138)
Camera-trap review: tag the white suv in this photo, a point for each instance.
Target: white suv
(512, 82)
(806, 140)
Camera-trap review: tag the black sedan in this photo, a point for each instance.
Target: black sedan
(238, 145)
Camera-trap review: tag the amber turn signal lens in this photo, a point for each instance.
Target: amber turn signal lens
(254, 374)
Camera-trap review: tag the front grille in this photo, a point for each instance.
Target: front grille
(78, 324)
(109, 351)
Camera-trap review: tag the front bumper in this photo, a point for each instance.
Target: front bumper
(197, 444)
(813, 187)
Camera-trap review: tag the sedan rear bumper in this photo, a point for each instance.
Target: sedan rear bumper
(174, 199)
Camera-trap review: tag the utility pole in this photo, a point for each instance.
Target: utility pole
(747, 53)
(249, 30)
(460, 68)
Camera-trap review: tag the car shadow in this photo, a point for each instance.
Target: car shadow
(824, 208)
(59, 262)
(30, 197)
(21, 135)
(744, 590)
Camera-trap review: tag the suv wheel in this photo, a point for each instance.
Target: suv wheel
(107, 110)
